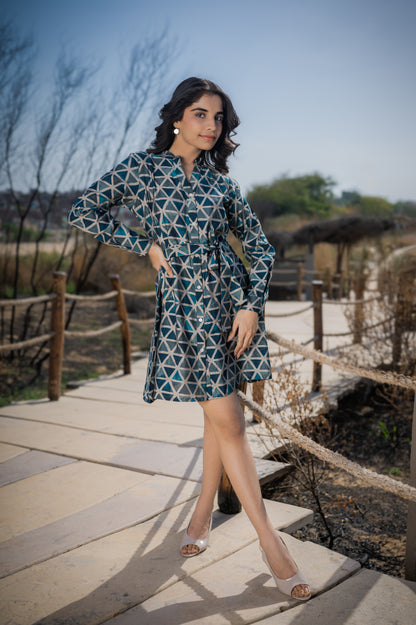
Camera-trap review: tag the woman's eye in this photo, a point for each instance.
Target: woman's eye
(219, 118)
(200, 114)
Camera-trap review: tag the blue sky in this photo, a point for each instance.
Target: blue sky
(319, 85)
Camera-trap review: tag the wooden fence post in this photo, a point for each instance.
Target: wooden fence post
(228, 502)
(318, 332)
(125, 327)
(359, 287)
(56, 350)
(258, 396)
(410, 564)
(328, 278)
(300, 281)
(403, 311)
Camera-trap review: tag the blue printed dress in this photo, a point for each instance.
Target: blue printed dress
(190, 358)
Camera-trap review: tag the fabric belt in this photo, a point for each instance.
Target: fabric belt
(219, 257)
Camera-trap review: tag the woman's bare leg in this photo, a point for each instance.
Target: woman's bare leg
(226, 417)
(212, 470)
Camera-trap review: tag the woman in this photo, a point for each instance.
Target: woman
(209, 332)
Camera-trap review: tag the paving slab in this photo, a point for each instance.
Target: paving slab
(30, 463)
(58, 493)
(367, 598)
(88, 416)
(119, 511)
(95, 581)
(140, 455)
(10, 451)
(186, 413)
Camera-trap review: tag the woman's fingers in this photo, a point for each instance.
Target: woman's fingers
(158, 259)
(245, 325)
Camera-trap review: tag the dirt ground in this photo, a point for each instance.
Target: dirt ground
(368, 524)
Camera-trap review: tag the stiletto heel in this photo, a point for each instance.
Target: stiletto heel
(201, 543)
(286, 586)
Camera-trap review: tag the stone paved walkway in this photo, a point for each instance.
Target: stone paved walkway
(96, 492)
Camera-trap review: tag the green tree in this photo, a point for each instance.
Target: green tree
(373, 206)
(309, 195)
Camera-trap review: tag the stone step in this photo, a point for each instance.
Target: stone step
(142, 422)
(115, 509)
(181, 461)
(91, 583)
(238, 589)
(28, 464)
(366, 598)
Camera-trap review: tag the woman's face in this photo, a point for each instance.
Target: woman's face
(201, 124)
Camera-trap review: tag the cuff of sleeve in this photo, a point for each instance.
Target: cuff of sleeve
(257, 307)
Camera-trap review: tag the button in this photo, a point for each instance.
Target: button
(200, 319)
(199, 287)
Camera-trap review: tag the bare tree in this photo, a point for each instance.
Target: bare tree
(68, 138)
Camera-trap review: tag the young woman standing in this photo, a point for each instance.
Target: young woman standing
(209, 332)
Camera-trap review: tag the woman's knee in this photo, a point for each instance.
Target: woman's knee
(225, 415)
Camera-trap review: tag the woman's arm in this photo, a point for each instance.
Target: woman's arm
(246, 226)
(122, 186)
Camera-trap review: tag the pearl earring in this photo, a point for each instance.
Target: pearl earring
(176, 131)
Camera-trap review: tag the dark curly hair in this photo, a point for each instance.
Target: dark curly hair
(185, 94)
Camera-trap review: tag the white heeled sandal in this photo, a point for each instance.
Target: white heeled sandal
(286, 586)
(201, 543)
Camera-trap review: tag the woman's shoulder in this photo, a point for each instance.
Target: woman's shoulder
(140, 158)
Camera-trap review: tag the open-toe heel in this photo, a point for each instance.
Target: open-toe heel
(286, 586)
(201, 543)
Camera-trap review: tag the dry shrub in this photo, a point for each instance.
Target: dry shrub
(135, 272)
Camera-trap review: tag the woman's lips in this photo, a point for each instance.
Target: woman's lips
(207, 138)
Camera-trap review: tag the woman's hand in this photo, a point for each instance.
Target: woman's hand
(158, 259)
(245, 322)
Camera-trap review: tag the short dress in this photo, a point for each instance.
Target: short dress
(190, 358)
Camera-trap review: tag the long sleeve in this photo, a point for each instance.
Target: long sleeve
(246, 226)
(123, 186)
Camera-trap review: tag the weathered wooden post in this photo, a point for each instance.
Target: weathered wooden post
(359, 287)
(228, 502)
(300, 281)
(318, 332)
(56, 350)
(410, 564)
(258, 396)
(403, 311)
(328, 278)
(125, 327)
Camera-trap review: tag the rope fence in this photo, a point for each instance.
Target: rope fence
(290, 314)
(27, 301)
(90, 333)
(90, 298)
(9, 347)
(367, 475)
(353, 302)
(384, 377)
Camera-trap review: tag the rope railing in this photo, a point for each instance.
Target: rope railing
(352, 302)
(139, 322)
(140, 293)
(290, 314)
(9, 347)
(384, 377)
(27, 301)
(90, 333)
(367, 475)
(363, 329)
(90, 298)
